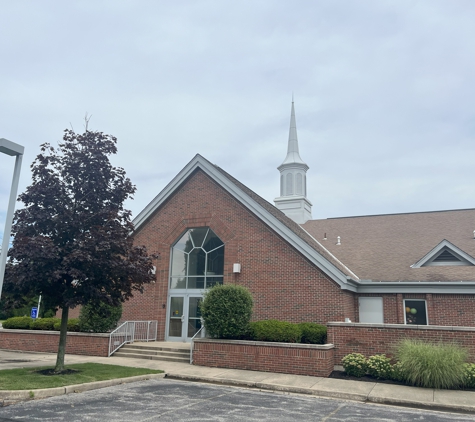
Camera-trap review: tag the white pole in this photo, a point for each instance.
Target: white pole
(9, 218)
(38, 313)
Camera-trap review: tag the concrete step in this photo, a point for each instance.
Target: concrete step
(152, 352)
(183, 359)
(156, 351)
(152, 349)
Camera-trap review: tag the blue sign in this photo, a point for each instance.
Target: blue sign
(34, 312)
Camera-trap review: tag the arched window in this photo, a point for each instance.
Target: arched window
(197, 260)
(281, 185)
(290, 184)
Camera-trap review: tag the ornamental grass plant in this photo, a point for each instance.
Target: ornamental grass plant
(432, 365)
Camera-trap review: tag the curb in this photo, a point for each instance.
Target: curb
(8, 397)
(363, 398)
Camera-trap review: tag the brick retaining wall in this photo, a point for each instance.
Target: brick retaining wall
(371, 339)
(287, 358)
(47, 341)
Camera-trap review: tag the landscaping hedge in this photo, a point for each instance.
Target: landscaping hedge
(45, 324)
(287, 332)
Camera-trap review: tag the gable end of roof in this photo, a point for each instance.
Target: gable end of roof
(445, 254)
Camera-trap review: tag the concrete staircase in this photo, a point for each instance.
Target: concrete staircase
(156, 350)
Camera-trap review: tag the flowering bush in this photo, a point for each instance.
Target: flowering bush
(469, 375)
(379, 366)
(355, 364)
(397, 373)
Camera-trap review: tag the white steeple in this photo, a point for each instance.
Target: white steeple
(293, 200)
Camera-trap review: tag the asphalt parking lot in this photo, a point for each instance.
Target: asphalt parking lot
(171, 400)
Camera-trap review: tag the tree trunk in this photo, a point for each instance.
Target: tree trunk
(62, 341)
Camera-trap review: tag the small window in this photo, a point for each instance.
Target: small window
(371, 310)
(415, 312)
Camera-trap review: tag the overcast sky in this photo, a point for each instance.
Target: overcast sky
(384, 93)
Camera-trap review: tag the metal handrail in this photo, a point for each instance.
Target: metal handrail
(130, 331)
(193, 338)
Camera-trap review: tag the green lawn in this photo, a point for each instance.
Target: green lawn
(30, 379)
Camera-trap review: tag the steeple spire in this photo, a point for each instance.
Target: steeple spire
(293, 179)
(293, 155)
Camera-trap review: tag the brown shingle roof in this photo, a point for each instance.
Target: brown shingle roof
(286, 221)
(383, 247)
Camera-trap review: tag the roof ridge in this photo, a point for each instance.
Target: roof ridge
(395, 213)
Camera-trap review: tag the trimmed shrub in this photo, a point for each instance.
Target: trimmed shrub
(313, 333)
(355, 364)
(379, 366)
(73, 324)
(43, 324)
(397, 373)
(226, 311)
(100, 318)
(21, 323)
(469, 375)
(432, 365)
(278, 331)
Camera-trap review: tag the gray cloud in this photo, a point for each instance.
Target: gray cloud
(384, 93)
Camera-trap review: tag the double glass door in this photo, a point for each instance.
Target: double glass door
(184, 317)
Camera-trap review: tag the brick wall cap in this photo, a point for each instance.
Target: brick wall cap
(400, 326)
(45, 332)
(267, 343)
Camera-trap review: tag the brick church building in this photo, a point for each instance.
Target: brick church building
(207, 228)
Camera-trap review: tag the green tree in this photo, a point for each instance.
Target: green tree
(72, 240)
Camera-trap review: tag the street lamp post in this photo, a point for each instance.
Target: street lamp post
(13, 149)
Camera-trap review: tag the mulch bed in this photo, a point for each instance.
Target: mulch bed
(341, 375)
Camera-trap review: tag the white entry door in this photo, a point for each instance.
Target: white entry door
(184, 317)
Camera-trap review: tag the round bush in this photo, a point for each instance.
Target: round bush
(432, 365)
(397, 373)
(469, 375)
(278, 331)
(20, 323)
(226, 311)
(355, 364)
(99, 318)
(313, 333)
(379, 366)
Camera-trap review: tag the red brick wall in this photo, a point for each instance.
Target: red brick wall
(47, 341)
(452, 310)
(299, 359)
(442, 309)
(283, 283)
(371, 339)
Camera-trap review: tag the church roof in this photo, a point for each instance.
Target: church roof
(376, 252)
(388, 247)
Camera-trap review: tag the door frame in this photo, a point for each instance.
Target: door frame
(186, 295)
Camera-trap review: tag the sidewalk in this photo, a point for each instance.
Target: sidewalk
(423, 398)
